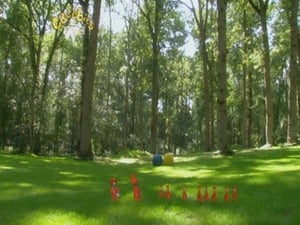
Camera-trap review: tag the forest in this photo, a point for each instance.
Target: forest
(70, 83)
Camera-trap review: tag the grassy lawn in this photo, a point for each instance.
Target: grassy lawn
(45, 191)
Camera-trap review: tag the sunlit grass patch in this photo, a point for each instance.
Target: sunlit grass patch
(51, 217)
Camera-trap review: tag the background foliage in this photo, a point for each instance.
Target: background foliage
(40, 103)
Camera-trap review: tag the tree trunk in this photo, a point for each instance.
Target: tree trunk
(250, 110)
(39, 90)
(267, 80)
(262, 12)
(155, 32)
(245, 103)
(222, 135)
(298, 80)
(292, 125)
(88, 76)
(34, 96)
(155, 90)
(201, 23)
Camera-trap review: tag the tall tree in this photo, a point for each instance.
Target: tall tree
(261, 9)
(201, 18)
(222, 132)
(153, 13)
(38, 17)
(207, 71)
(88, 76)
(292, 124)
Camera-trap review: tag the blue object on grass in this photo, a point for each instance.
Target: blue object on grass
(157, 160)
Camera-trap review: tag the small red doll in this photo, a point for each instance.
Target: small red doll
(160, 193)
(206, 196)
(234, 194)
(226, 195)
(136, 193)
(136, 189)
(168, 193)
(114, 190)
(214, 194)
(184, 194)
(199, 195)
(133, 179)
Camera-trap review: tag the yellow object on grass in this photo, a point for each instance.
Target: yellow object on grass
(168, 159)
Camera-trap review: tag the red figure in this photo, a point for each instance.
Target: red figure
(136, 193)
(184, 194)
(114, 191)
(226, 195)
(199, 195)
(133, 179)
(214, 194)
(136, 189)
(168, 193)
(206, 196)
(160, 193)
(234, 194)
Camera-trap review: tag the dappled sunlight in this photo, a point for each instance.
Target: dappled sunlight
(276, 168)
(185, 159)
(25, 185)
(74, 175)
(6, 168)
(24, 162)
(70, 183)
(125, 160)
(172, 171)
(52, 217)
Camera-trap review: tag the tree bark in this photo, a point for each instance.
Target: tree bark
(292, 125)
(261, 10)
(88, 76)
(39, 89)
(155, 88)
(207, 74)
(154, 30)
(222, 133)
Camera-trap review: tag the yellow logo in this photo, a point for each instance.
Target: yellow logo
(64, 17)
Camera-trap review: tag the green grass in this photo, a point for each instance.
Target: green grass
(62, 191)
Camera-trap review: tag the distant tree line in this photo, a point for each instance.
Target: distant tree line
(75, 90)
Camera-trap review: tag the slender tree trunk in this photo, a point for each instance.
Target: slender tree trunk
(126, 109)
(155, 32)
(153, 17)
(298, 79)
(267, 79)
(88, 76)
(222, 133)
(261, 10)
(244, 119)
(38, 98)
(244, 107)
(34, 98)
(292, 125)
(155, 90)
(250, 110)
(201, 21)
(206, 71)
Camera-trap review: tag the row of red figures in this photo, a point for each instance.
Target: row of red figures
(213, 197)
(115, 192)
(206, 197)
